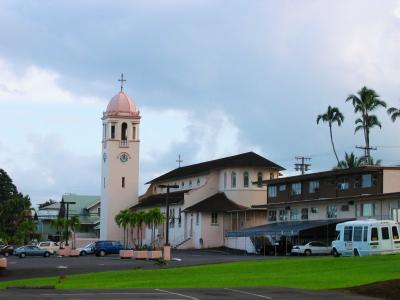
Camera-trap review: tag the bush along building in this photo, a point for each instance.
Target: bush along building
(308, 207)
(210, 199)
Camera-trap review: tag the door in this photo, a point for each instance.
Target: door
(191, 225)
(386, 243)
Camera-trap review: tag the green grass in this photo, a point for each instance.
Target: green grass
(313, 273)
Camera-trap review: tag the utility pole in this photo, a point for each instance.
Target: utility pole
(302, 166)
(66, 220)
(168, 186)
(179, 161)
(367, 152)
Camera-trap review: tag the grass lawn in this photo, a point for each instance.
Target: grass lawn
(313, 273)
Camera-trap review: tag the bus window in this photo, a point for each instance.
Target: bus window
(395, 233)
(385, 233)
(365, 233)
(338, 235)
(374, 234)
(348, 232)
(357, 233)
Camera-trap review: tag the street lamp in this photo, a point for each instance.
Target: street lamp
(168, 186)
(66, 222)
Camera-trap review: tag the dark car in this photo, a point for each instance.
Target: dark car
(7, 250)
(102, 248)
(31, 251)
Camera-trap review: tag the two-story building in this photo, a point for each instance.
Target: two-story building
(309, 206)
(213, 198)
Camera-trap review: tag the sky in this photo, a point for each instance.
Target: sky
(210, 78)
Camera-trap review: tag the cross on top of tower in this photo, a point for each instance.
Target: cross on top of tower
(122, 80)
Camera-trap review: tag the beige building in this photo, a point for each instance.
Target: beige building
(213, 197)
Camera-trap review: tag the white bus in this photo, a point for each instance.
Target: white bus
(366, 237)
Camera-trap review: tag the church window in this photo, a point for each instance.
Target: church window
(246, 179)
(104, 131)
(198, 181)
(134, 132)
(112, 132)
(197, 218)
(214, 218)
(123, 182)
(124, 131)
(180, 217)
(172, 217)
(233, 180)
(98, 211)
(182, 184)
(190, 183)
(104, 182)
(225, 180)
(259, 179)
(271, 175)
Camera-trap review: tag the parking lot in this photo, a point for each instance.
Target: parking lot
(35, 266)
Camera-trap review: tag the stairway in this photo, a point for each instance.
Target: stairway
(181, 243)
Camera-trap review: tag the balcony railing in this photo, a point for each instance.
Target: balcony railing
(124, 144)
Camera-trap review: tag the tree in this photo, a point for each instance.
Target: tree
(394, 113)
(47, 203)
(141, 219)
(122, 220)
(14, 207)
(133, 224)
(74, 223)
(26, 230)
(332, 115)
(365, 102)
(59, 225)
(350, 161)
(157, 218)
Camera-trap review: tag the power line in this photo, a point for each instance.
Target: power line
(303, 166)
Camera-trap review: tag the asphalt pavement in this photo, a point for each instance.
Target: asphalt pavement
(179, 294)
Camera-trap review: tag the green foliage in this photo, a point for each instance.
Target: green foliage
(332, 116)
(14, 208)
(352, 161)
(305, 273)
(394, 113)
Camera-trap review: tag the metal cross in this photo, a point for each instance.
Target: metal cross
(179, 160)
(122, 80)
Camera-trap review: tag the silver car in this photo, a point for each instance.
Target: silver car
(31, 251)
(88, 249)
(311, 248)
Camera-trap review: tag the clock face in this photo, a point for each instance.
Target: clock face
(124, 157)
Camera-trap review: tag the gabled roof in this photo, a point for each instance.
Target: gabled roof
(248, 159)
(175, 198)
(218, 202)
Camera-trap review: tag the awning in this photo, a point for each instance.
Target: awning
(292, 228)
(218, 202)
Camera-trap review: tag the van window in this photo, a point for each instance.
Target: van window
(357, 233)
(385, 233)
(365, 233)
(395, 233)
(348, 232)
(338, 235)
(374, 234)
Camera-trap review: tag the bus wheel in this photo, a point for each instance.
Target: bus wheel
(356, 253)
(335, 253)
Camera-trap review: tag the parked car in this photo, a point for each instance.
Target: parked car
(88, 249)
(31, 250)
(311, 248)
(7, 250)
(102, 248)
(50, 246)
(366, 237)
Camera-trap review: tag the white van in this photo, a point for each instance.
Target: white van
(366, 237)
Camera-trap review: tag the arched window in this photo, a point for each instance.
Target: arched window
(259, 179)
(225, 180)
(233, 180)
(246, 179)
(134, 132)
(124, 132)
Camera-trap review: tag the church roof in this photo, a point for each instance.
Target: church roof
(248, 159)
(121, 104)
(218, 202)
(175, 198)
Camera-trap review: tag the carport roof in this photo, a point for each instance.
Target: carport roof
(292, 228)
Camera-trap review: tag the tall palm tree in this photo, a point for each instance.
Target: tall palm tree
(365, 102)
(394, 113)
(158, 219)
(141, 219)
(332, 115)
(350, 161)
(132, 223)
(59, 225)
(122, 220)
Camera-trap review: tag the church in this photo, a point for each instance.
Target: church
(207, 200)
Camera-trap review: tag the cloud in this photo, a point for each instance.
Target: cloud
(36, 84)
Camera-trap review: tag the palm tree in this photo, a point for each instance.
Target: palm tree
(132, 222)
(394, 113)
(350, 161)
(141, 218)
(59, 225)
(332, 115)
(158, 219)
(365, 102)
(122, 219)
(74, 223)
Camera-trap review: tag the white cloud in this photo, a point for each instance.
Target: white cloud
(35, 84)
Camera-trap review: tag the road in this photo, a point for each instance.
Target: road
(179, 294)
